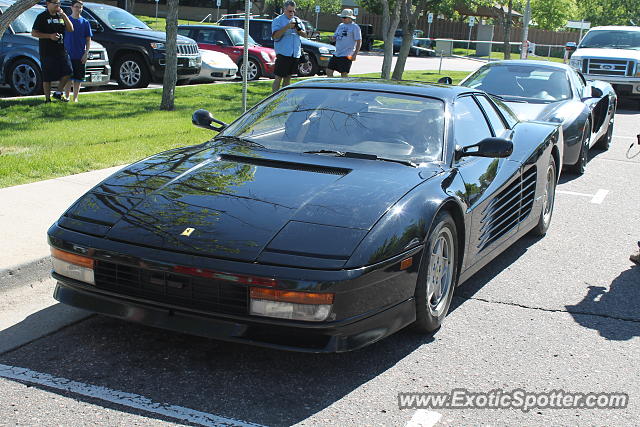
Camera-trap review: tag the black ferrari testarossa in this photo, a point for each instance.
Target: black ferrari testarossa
(330, 215)
(553, 92)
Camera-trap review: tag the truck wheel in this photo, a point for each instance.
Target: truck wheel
(307, 66)
(132, 72)
(25, 78)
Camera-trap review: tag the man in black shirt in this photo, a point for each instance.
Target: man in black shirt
(49, 28)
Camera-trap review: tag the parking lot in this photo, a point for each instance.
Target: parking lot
(558, 313)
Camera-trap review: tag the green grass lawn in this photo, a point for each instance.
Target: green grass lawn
(40, 141)
(500, 55)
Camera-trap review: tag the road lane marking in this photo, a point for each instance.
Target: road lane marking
(424, 418)
(597, 198)
(120, 397)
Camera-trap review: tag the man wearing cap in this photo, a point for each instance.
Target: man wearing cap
(286, 30)
(348, 40)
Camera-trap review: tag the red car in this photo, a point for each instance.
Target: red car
(230, 40)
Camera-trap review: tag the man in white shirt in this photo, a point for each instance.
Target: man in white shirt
(348, 38)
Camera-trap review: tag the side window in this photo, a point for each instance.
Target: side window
(494, 117)
(186, 32)
(219, 36)
(469, 126)
(578, 82)
(508, 115)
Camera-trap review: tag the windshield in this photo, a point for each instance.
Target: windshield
(24, 22)
(528, 82)
(118, 19)
(613, 39)
(237, 37)
(387, 125)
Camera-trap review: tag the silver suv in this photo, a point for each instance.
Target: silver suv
(612, 54)
(20, 60)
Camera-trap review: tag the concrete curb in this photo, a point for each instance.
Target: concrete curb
(24, 274)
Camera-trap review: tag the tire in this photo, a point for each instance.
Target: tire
(254, 72)
(132, 72)
(308, 66)
(25, 78)
(583, 158)
(605, 140)
(548, 200)
(437, 275)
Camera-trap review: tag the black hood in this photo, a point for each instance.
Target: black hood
(237, 200)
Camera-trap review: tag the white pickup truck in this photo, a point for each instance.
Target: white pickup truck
(612, 54)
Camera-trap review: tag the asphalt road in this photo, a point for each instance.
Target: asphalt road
(366, 62)
(559, 312)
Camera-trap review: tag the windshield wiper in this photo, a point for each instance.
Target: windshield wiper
(365, 156)
(240, 140)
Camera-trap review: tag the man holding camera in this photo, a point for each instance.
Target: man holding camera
(286, 30)
(49, 28)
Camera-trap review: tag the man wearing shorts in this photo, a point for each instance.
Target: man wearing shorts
(49, 27)
(286, 30)
(348, 38)
(77, 44)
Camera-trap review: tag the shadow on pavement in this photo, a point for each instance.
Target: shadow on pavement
(620, 302)
(253, 384)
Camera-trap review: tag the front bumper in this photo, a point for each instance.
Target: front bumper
(326, 337)
(97, 75)
(188, 66)
(150, 286)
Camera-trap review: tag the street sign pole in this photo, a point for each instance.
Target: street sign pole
(317, 13)
(157, 1)
(218, 10)
(581, 27)
(472, 21)
(429, 20)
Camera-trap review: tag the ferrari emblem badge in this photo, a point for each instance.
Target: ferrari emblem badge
(187, 232)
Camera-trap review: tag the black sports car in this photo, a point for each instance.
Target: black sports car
(549, 91)
(330, 215)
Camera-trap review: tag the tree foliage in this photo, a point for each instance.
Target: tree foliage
(13, 12)
(553, 14)
(610, 12)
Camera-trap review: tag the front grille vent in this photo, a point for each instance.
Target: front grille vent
(608, 67)
(187, 49)
(286, 165)
(206, 294)
(512, 206)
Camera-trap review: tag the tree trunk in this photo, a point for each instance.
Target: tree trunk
(409, 24)
(13, 12)
(171, 66)
(507, 33)
(389, 25)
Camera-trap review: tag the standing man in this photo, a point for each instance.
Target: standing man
(286, 30)
(348, 38)
(77, 44)
(49, 27)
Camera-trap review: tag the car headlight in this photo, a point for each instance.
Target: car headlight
(576, 63)
(157, 46)
(72, 265)
(265, 56)
(324, 50)
(94, 55)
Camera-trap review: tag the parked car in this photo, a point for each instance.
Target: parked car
(136, 52)
(611, 54)
(312, 32)
(215, 66)
(419, 46)
(367, 36)
(330, 215)
(230, 41)
(20, 59)
(316, 54)
(549, 91)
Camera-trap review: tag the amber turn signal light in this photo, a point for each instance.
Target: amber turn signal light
(291, 296)
(74, 259)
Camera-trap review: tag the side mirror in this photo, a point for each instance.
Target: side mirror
(445, 80)
(488, 147)
(219, 43)
(203, 119)
(95, 26)
(592, 92)
(571, 46)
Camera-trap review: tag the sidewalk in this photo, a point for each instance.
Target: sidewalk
(27, 211)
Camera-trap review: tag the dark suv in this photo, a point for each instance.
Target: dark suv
(136, 52)
(316, 54)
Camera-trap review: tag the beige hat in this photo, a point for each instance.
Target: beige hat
(347, 13)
